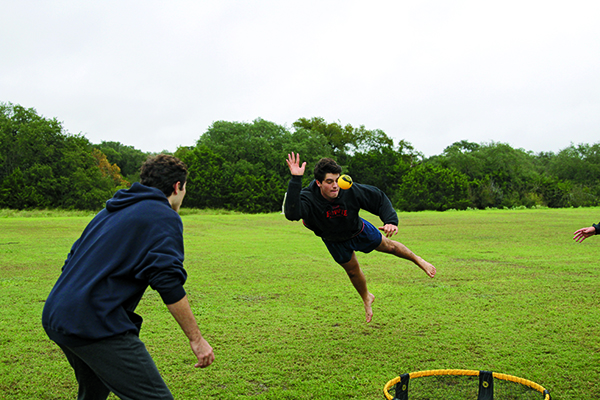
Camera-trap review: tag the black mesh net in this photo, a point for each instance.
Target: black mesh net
(463, 387)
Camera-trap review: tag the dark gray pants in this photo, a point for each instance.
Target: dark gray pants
(120, 364)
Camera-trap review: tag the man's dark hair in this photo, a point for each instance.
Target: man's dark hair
(326, 166)
(162, 172)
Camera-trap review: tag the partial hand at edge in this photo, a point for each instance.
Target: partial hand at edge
(581, 234)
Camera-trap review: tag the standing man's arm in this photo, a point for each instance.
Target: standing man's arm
(182, 312)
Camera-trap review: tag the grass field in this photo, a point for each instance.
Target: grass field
(514, 294)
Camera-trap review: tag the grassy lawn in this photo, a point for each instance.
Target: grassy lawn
(514, 294)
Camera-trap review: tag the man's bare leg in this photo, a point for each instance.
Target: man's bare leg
(360, 284)
(400, 250)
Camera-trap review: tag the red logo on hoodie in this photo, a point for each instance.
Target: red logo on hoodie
(337, 212)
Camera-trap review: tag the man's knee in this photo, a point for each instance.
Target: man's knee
(351, 267)
(387, 245)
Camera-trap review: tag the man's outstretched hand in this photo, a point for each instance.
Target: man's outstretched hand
(293, 162)
(389, 230)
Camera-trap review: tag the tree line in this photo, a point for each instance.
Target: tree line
(240, 166)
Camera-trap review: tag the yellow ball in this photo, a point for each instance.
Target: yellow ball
(344, 182)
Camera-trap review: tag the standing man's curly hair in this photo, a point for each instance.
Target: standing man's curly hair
(326, 166)
(162, 172)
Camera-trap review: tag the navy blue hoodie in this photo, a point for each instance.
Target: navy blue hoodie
(135, 242)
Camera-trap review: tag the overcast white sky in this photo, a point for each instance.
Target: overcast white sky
(156, 74)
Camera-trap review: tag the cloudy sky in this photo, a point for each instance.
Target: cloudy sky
(156, 74)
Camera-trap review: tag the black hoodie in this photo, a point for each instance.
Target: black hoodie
(338, 220)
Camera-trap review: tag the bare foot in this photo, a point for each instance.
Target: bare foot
(428, 268)
(368, 307)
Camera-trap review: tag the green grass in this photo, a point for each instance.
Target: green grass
(514, 294)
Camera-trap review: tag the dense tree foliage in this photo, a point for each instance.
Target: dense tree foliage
(500, 176)
(41, 166)
(383, 167)
(431, 187)
(128, 158)
(241, 166)
(345, 141)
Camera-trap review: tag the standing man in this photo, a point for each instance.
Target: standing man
(333, 215)
(135, 242)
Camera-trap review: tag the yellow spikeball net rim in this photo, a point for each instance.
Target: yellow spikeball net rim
(437, 372)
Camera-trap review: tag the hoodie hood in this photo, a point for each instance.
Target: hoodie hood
(136, 193)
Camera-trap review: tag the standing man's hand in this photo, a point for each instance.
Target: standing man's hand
(204, 353)
(389, 230)
(584, 233)
(293, 162)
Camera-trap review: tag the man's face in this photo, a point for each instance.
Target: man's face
(329, 186)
